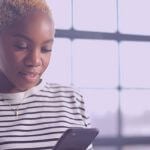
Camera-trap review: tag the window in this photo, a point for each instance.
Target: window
(89, 15)
(89, 57)
(103, 48)
(134, 64)
(133, 16)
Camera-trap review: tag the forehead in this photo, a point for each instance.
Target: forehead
(33, 22)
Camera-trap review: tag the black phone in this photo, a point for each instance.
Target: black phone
(76, 139)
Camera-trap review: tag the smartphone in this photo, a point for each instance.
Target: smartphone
(76, 139)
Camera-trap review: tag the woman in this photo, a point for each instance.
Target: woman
(33, 113)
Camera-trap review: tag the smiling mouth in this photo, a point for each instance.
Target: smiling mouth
(29, 76)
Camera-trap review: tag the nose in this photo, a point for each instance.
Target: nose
(33, 58)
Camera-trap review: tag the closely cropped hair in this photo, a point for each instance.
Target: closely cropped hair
(13, 9)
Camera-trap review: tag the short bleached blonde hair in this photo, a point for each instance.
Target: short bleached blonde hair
(10, 10)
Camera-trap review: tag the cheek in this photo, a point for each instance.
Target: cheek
(8, 61)
(16, 60)
(46, 60)
(9, 56)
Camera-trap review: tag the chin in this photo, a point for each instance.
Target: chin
(24, 86)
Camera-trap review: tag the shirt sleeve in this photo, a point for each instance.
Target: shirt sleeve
(85, 116)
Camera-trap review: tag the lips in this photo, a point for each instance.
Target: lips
(30, 76)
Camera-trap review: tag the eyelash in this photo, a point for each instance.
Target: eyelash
(23, 48)
(46, 50)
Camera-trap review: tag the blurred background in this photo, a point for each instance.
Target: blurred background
(102, 47)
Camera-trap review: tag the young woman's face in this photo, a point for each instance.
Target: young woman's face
(25, 50)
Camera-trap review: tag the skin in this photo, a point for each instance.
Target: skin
(25, 52)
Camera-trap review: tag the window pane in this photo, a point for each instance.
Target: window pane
(137, 147)
(62, 13)
(135, 106)
(95, 63)
(95, 15)
(135, 60)
(102, 106)
(59, 69)
(134, 16)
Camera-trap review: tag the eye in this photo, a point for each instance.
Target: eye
(46, 49)
(21, 46)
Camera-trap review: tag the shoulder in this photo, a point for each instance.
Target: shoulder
(63, 90)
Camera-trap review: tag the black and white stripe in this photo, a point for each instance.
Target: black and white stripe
(47, 110)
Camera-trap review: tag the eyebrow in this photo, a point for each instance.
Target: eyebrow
(28, 39)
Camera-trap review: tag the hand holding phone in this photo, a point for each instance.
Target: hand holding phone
(76, 139)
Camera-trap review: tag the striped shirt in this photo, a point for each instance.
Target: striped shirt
(35, 119)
